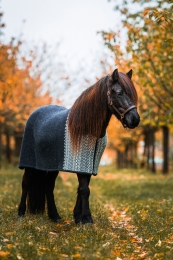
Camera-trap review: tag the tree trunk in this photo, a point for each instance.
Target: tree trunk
(118, 159)
(0, 143)
(18, 141)
(126, 162)
(153, 165)
(147, 149)
(134, 156)
(8, 150)
(165, 149)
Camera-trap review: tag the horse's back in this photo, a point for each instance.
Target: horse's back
(44, 128)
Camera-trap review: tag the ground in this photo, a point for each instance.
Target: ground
(132, 212)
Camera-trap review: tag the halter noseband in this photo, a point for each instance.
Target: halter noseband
(111, 104)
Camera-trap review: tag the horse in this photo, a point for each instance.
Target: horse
(72, 140)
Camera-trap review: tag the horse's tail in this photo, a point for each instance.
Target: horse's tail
(37, 191)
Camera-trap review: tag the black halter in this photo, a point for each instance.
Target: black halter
(111, 104)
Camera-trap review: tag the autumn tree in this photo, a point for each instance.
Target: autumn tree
(148, 51)
(25, 78)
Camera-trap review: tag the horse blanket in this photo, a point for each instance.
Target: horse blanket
(46, 144)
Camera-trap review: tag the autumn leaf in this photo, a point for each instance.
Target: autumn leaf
(116, 252)
(143, 255)
(136, 239)
(106, 244)
(159, 243)
(64, 255)
(76, 256)
(146, 11)
(9, 246)
(4, 254)
(67, 221)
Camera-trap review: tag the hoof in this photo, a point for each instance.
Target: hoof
(78, 220)
(56, 220)
(88, 224)
(84, 220)
(21, 214)
(87, 220)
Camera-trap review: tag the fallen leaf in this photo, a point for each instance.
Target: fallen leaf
(19, 257)
(159, 243)
(64, 255)
(149, 239)
(143, 255)
(146, 11)
(76, 256)
(9, 233)
(129, 227)
(52, 233)
(136, 240)
(115, 252)
(4, 254)
(9, 245)
(106, 244)
(67, 221)
(5, 240)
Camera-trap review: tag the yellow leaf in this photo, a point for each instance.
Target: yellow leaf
(146, 11)
(115, 252)
(67, 221)
(159, 243)
(76, 256)
(52, 233)
(9, 245)
(134, 240)
(64, 255)
(4, 254)
(143, 255)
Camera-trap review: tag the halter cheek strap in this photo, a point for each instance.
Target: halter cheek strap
(111, 104)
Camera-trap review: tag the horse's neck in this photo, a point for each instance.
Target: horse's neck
(105, 124)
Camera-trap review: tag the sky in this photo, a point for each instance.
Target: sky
(71, 23)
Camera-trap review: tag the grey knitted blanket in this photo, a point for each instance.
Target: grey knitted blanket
(46, 144)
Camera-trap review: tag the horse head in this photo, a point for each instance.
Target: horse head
(122, 98)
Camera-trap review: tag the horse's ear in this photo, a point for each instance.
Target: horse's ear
(115, 75)
(129, 74)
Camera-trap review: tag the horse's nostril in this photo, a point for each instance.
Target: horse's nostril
(136, 121)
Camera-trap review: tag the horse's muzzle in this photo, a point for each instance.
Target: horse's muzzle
(131, 119)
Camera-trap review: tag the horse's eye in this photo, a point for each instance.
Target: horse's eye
(119, 94)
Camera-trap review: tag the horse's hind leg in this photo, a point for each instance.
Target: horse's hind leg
(50, 184)
(26, 181)
(81, 211)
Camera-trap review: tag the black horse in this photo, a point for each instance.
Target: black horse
(59, 139)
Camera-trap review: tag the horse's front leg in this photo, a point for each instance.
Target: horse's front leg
(81, 211)
(50, 185)
(25, 187)
(77, 212)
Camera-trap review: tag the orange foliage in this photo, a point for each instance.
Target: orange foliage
(20, 93)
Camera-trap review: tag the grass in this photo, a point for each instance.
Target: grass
(132, 211)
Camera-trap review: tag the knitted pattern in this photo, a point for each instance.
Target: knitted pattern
(47, 146)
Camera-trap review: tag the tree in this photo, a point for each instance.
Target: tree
(21, 87)
(148, 50)
(20, 93)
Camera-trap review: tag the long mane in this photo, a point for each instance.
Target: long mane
(128, 87)
(89, 113)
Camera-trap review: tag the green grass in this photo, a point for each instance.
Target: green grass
(132, 211)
